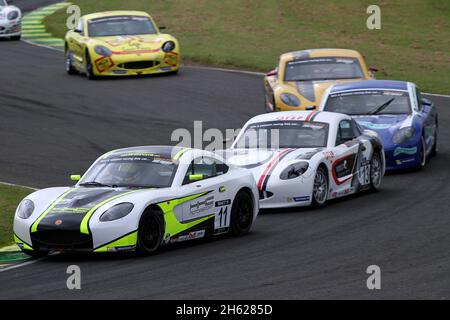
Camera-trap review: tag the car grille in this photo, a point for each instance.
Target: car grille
(59, 239)
(138, 65)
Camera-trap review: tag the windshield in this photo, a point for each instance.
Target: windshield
(369, 102)
(3, 3)
(284, 134)
(132, 170)
(323, 69)
(120, 26)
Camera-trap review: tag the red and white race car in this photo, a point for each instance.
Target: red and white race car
(301, 158)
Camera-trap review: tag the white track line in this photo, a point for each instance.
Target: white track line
(17, 185)
(24, 264)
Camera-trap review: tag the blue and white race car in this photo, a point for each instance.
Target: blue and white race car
(10, 21)
(406, 122)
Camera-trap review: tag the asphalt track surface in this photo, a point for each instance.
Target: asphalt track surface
(52, 125)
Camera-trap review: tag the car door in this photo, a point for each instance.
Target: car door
(349, 160)
(215, 189)
(76, 42)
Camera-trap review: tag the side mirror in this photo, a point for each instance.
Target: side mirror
(309, 108)
(195, 177)
(272, 73)
(75, 177)
(427, 102)
(78, 31)
(373, 69)
(162, 28)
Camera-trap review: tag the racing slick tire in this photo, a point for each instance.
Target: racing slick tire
(422, 154)
(376, 168)
(150, 232)
(89, 68)
(320, 188)
(16, 38)
(434, 150)
(35, 253)
(69, 66)
(241, 214)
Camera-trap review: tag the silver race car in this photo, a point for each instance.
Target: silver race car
(10, 21)
(301, 158)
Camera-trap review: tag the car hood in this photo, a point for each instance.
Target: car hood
(142, 43)
(384, 125)
(68, 210)
(260, 160)
(313, 91)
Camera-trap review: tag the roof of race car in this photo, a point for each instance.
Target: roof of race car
(169, 152)
(315, 53)
(317, 116)
(370, 84)
(106, 14)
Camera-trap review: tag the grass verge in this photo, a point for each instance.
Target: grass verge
(413, 43)
(10, 197)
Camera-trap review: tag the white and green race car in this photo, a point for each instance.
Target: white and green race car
(137, 199)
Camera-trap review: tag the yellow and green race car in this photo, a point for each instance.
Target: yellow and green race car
(301, 78)
(120, 43)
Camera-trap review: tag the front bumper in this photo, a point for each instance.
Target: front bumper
(402, 156)
(123, 64)
(10, 29)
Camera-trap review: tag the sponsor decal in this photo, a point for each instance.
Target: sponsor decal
(202, 205)
(402, 161)
(58, 222)
(301, 199)
(119, 71)
(221, 230)
(190, 236)
(222, 189)
(401, 150)
(222, 203)
(104, 63)
(374, 126)
(171, 59)
(343, 192)
(165, 68)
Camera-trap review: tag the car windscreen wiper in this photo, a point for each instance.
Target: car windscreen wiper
(382, 107)
(95, 184)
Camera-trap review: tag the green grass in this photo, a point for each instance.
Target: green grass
(10, 197)
(413, 44)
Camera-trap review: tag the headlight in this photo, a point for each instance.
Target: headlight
(294, 170)
(13, 15)
(26, 208)
(117, 212)
(403, 135)
(290, 99)
(103, 51)
(168, 46)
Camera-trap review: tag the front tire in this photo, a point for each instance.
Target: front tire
(69, 63)
(150, 232)
(241, 214)
(422, 154)
(376, 169)
(434, 150)
(320, 188)
(89, 68)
